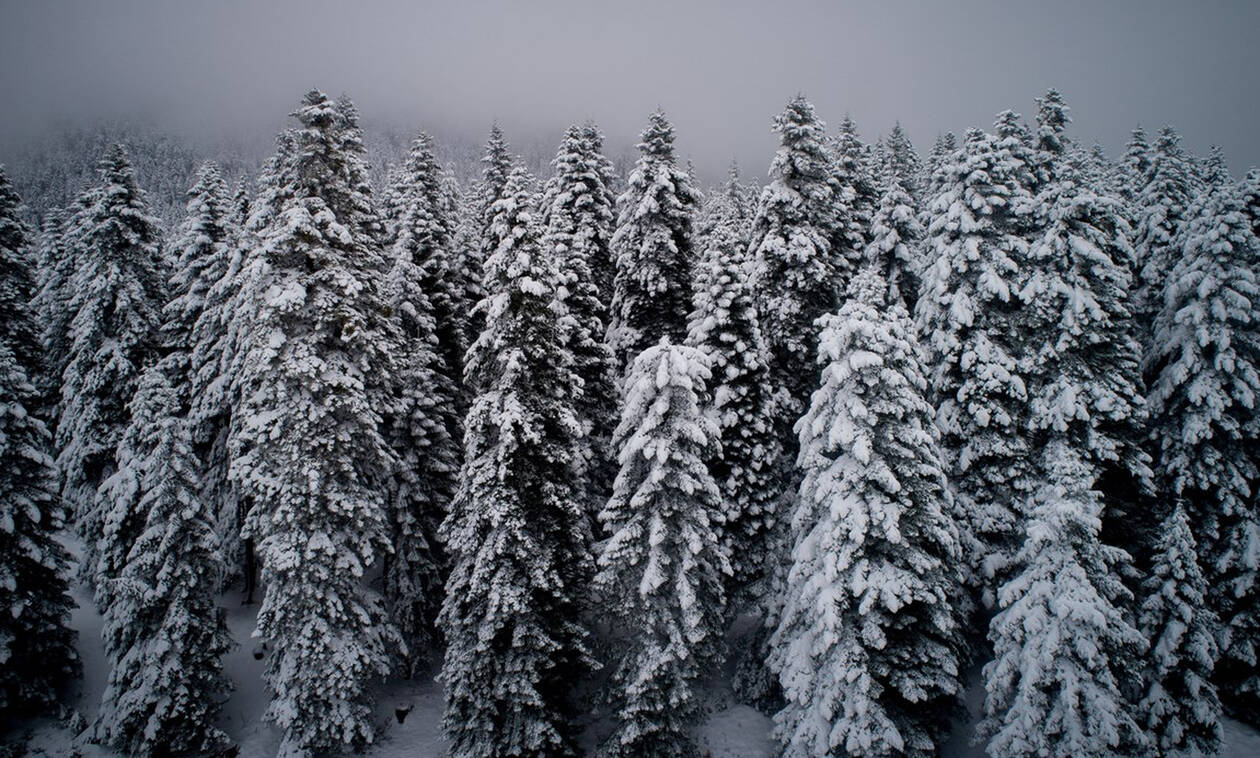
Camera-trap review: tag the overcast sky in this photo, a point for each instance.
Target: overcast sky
(720, 68)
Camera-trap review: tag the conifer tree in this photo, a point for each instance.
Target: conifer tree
(517, 531)
(18, 286)
(205, 255)
(577, 218)
(663, 568)
(799, 274)
(51, 302)
(895, 245)
(903, 162)
(308, 450)
(870, 593)
(652, 249)
(421, 428)
(1179, 705)
(1165, 208)
(115, 312)
(164, 633)
(496, 164)
(1136, 166)
(603, 268)
(941, 156)
(857, 193)
(1249, 188)
(192, 318)
(726, 328)
(1062, 644)
(37, 653)
(424, 235)
(239, 206)
(1206, 369)
(1081, 359)
(976, 244)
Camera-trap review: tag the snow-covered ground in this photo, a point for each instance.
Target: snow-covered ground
(731, 731)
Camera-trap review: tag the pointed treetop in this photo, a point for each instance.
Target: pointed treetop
(316, 110)
(496, 162)
(1216, 169)
(658, 138)
(1052, 120)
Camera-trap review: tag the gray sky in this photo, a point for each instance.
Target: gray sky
(721, 69)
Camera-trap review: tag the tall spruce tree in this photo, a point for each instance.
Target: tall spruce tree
(652, 249)
(895, 245)
(164, 633)
(663, 568)
(726, 328)
(193, 321)
(1062, 643)
(424, 234)
(1206, 376)
(115, 312)
(577, 218)
(1179, 704)
(517, 532)
(874, 571)
(496, 164)
(421, 428)
(308, 450)
(1136, 165)
(37, 655)
(1165, 209)
(799, 274)
(976, 244)
(857, 194)
(1081, 359)
(902, 162)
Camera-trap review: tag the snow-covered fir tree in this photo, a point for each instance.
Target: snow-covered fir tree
(54, 268)
(422, 425)
(975, 246)
(201, 255)
(857, 192)
(1165, 209)
(1135, 166)
(603, 268)
(652, 249)
(496, 164)
(942, 155)
(19, 286)
(423, 234)
(308, 449)
(193, 321)
(895, 247)
(726, 328)
(799, 275)
(577, 217)
(115, 313)
(1205, 371)
(239, 205)
(37, 655)
(1081, 362)
(1249, 188)
(902, 162)
(1179, 705)
(662, 570)
(164, 632)
(1062, 643)
(517, 532)
(868, 646)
